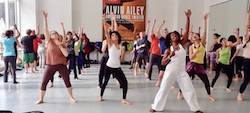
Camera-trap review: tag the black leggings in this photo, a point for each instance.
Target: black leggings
(246, 65)
(239, 65)
(86, 59)
(119, 75)
(227, 70)
(203, 77)
(102, 69)
(153, 60)
(72, 65)
(12, 61)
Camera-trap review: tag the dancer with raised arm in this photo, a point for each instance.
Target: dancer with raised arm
(176, 71)
(9, 42)
(113, 65)
(155, 51)
(196, 54)
(56, 61)
(113, 27)
(246, 63)
(223, 62)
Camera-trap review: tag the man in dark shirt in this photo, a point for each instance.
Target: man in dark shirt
(142, 48)
(212, 53)
(28, 56)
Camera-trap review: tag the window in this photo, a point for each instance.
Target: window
(8, 17)
(8, 14)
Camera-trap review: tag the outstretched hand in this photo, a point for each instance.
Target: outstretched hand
(62, 24)
(188, 13)
(154, 20)
(45, 14)
(15, 26)
(237, 32)
(206, 16)
(149, 21)
(164, 21)
(113, 16)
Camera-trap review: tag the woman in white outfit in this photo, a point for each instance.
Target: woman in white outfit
(176, 72)
(41, 52)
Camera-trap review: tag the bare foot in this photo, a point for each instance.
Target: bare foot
(228, 90)
(72, 100)
(51, 86)
(211, 99)
(179, 96)
(100, 99)
(239, 98)
(157, 83)
(135, 73)
(124, 101)
(151, 110)
(39, 101)
(146, 75)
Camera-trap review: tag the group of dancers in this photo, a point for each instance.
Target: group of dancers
(179, 57)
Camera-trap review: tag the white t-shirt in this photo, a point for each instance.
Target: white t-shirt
(114, 57)
(240, 49)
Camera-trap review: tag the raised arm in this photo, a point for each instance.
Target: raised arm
(17, 36)
(17, 32)
(187, 28)
(204, 34)
(158, 31)
(199, 30)
(46, 27)
(38, 30)
(106, 32)
(153, 27)
(247, 28)
(147, 27)
(63, 28)
(114, 23)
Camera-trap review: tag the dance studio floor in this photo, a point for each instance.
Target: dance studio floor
(22, 97)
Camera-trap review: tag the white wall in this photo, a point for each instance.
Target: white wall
(227, 16)
(163, 10)
(89, 14)
(59, 11)
(197, 8)
(27, 15)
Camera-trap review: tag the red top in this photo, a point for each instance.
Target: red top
(155, 45)
(86, 47)
(36, 42)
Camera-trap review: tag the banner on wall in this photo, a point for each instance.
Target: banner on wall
(130, 16)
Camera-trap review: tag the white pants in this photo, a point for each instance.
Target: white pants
(185, 84)
(41, 55)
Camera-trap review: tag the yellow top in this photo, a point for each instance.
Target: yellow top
(77, 47)
(199, 57)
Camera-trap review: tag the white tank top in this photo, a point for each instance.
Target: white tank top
(114, 57)
(179, 59)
